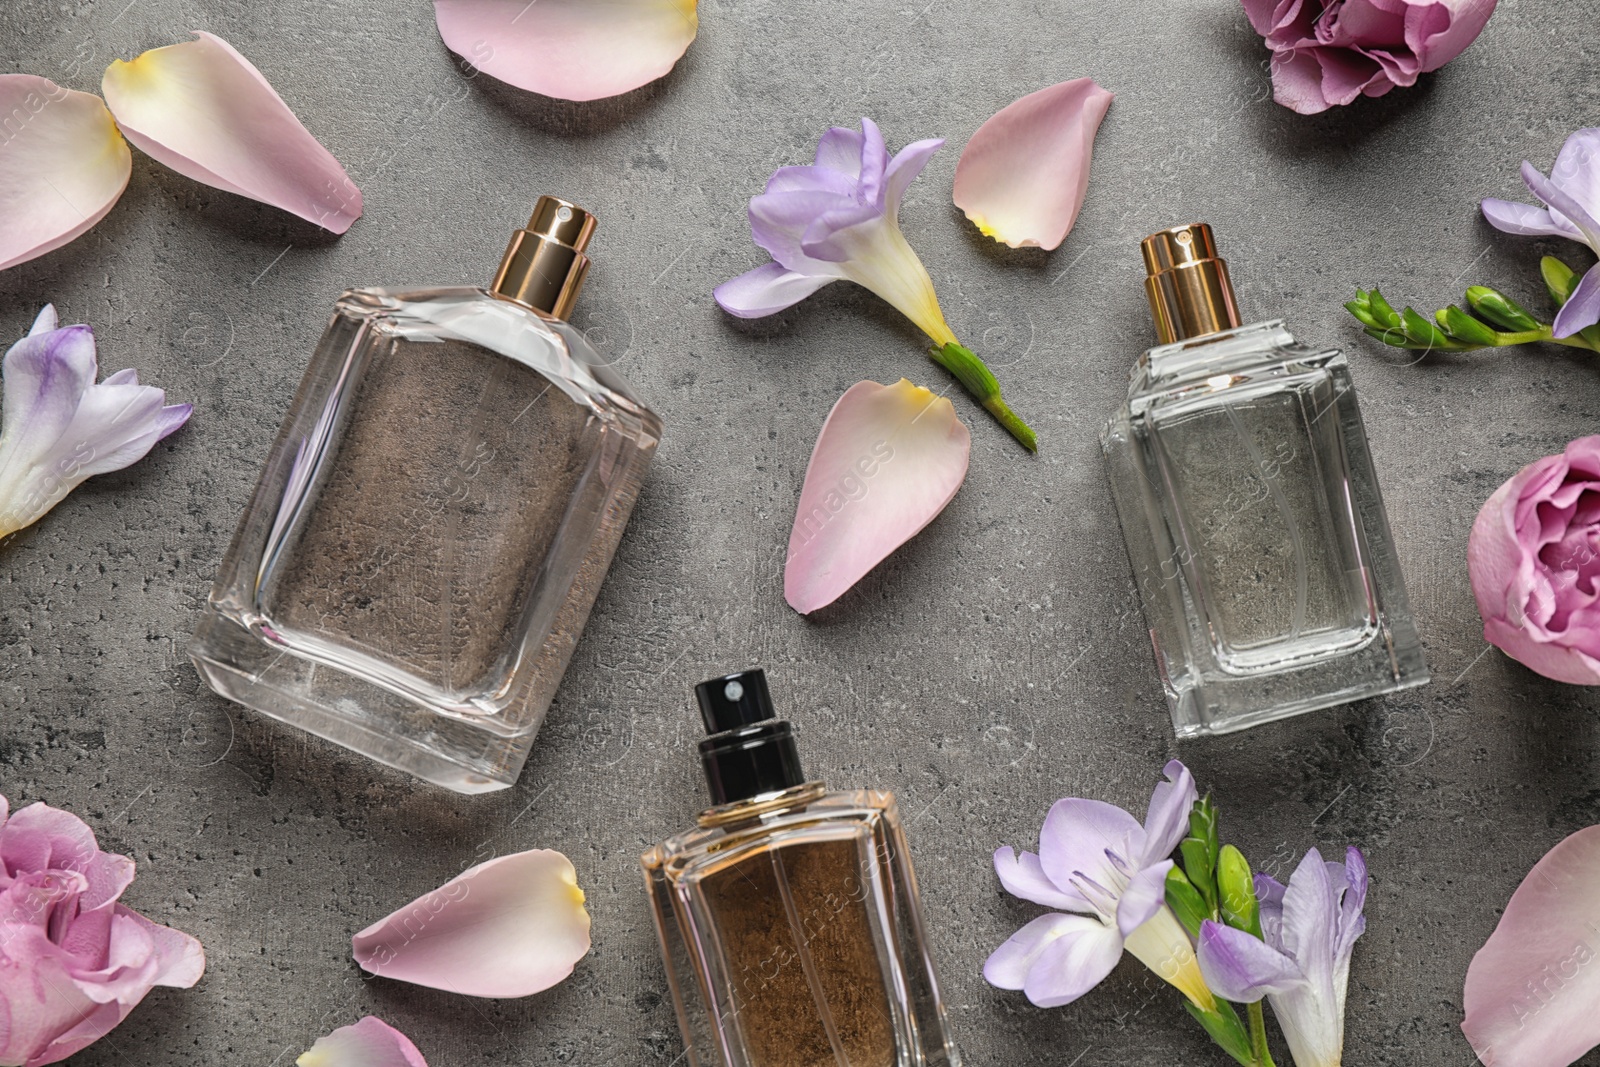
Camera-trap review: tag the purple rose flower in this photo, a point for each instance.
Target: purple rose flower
(73, 961)
(1328, 52)
(1534, 560)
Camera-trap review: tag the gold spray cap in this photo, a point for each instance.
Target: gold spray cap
(544, 265)
(1187, 283)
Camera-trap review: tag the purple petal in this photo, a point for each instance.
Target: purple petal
(1055, 959)
(766, 290)
(1076, 835)
(1352, 923)
(779, 221)
(844, 233)
(811, 180)
(1509, 216)
(874, 162)
(1243, 968)
(1166, 822)
(1310, 918)
(1577, 169)
(1145, 895)
(1022, 876)
(45, 376)
(1557, 198)
(116, 425)
(840, 150)
(46, 320)
(903, 170)
(1582, 308)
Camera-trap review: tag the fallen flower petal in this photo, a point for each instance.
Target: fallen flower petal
(368, 1043)
(1531, 989)
(888, 460)
(569, 49)
(60, 427)
(204, 110)
(77, 960)
(508, 927)
(63, 166)
(1022, 177)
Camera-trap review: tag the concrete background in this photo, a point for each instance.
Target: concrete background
(993, 665)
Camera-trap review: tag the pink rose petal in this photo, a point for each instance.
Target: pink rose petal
(1531, 990)
(888, 460)
(509, 927)
(569, 49)
(1022, 177)
(63, 166)
(202, 109)
(369, 1043)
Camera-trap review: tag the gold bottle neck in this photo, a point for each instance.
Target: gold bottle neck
(743, 811)
(544, 266)
(1187, 283)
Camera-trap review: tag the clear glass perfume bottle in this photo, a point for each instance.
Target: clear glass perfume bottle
(789, 919)
(1251, 512)
(435, 519)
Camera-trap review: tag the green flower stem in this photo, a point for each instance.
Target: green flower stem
(1258, 1036)
(971, 371)
(1494, 321)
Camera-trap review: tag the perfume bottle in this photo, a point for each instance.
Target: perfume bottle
(789, 919)
(1251, 512)
(435, 519)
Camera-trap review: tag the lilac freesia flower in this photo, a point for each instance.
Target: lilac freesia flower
(1096, 862)
(1301, 962)
(1572, 192)
(839, 218)
(60, 427)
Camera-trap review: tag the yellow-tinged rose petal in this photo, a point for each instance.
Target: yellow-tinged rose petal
(888, 460)
(202, 109)
(569, 49)
(62, 166)
(505, 928)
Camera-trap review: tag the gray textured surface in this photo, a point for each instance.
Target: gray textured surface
(993, 665)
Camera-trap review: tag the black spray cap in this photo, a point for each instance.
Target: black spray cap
(749, 752)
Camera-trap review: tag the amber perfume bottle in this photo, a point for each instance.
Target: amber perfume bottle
(1251, 510)
(789, 919)
(435, 519)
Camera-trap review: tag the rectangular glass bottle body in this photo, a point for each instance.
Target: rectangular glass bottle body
(429, 533)
(793, 936)
(1256, 530)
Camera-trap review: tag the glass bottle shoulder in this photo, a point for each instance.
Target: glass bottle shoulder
(1256, 356)
(552, 347)
(811, 813)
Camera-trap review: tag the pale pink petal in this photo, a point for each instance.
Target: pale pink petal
(202, 109)
(62, 166)
(569, 49)
(369, 1043)
(1531, 990)
(505, 928)
(1022, 177)
(887, 461)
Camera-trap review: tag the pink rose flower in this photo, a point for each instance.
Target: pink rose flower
(1534, 558)
(73, 961)
(1328, 52)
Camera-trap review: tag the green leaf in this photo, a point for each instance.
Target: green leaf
(1226, 1030)
(1386, 315)
(1463, 327)
(1395, 338)
(1185, 902)
(1236, 892)
(1199, 851)
(1500, 309)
